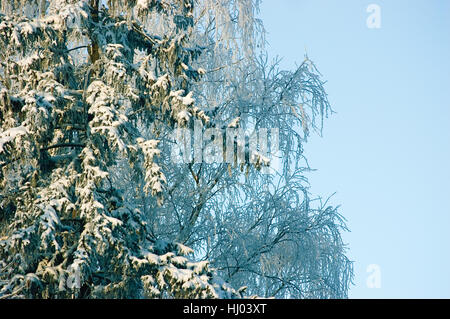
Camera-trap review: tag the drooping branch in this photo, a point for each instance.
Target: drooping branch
(62, 145)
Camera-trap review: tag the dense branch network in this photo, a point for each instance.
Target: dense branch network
(92, 203)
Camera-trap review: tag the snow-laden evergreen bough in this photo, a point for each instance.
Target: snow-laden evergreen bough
(64, 123)
(91, 203)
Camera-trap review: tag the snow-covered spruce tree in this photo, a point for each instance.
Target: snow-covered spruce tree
(264, 231)
(77, 81)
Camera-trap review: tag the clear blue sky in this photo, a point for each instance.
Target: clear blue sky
(387, 150)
